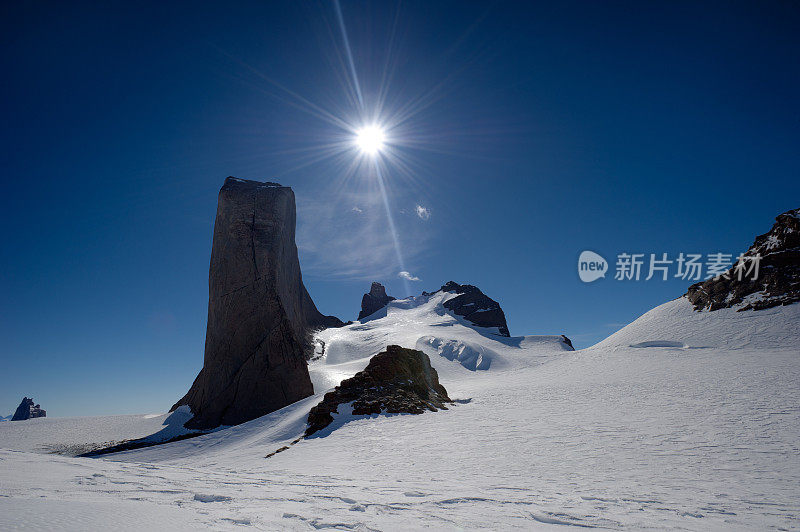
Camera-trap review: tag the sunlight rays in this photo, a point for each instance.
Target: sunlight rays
(356, 85)
(368, 132)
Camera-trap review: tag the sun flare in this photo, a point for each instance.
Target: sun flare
(370, 139)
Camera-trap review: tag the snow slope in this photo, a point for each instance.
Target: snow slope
(680, 420)
(74, 436)
(725, 329)
(347, 351)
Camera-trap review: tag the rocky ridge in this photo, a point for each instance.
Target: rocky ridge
(778, 280)
(28, 410)
(475, 307)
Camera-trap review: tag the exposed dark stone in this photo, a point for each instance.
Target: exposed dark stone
(259, 313)
(397, 380)
(778, 279)
(567, 341)
(141, 443)
(374, 300)
(475, 306)
(28, 410)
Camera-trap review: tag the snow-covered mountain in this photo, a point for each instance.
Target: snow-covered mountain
(682, 419)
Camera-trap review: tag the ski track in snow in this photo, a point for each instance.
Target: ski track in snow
(681, 420)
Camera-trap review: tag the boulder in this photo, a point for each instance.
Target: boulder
(395, 381)
(260, 314)
(778, 280)
(28, 410)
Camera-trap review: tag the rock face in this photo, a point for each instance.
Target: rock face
(28, 410)
(778, 281)
(374, 300)
(259, 312)
(397, 380)
(475, 306)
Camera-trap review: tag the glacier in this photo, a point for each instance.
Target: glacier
(682, 419)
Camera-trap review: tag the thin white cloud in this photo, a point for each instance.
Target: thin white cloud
(423, 212)
(341, 243)
(356, 210)
(407, 276)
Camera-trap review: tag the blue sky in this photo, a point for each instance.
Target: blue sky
(532, 132)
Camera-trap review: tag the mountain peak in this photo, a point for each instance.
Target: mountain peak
(377, 290)
(28, 410)
(778, 280)
(374, 300)
(260, 314)
(475, 306)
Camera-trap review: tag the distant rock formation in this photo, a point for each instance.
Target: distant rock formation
(395, 381)
(28, 410)
(567, 341)
(259, 312)
(475, 307)
(374, 300)
(778, 281)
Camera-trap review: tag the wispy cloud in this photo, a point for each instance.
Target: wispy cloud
(423, 212)
(337, 241)
(407, 276)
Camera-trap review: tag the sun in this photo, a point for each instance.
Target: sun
(370, 139)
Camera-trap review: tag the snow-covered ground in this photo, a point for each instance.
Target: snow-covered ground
(680, 420)
(74, 436)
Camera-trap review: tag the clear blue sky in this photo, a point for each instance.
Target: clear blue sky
(537, 130)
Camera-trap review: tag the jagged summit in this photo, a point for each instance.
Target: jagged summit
(470, 303)
(778, 281)
(374, 300)
(260, 314)
(475, 306)
(28, 410)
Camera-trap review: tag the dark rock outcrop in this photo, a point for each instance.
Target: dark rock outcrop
(259, 312)
(374, 300)
(475, 306)
(28, 410)
(397, 380)
(778, 280)
(567, 341)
